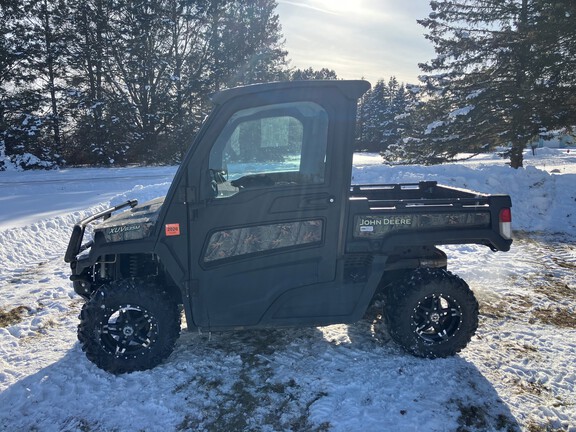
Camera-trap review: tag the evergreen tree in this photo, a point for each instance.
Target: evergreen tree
(492, 80)
(47, 22)
(423, 140)
(8, 58)
(376, 107)
(21, 125)
(408, 117)
(109, 82)
(97, 137)
(379, 115)
(164, 57)
(556, 46)
(311, 74)
(246, 44)
(32, 120)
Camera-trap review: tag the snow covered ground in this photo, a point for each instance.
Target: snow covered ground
(518, 373)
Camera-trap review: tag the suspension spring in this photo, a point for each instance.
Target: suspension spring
(133, 265)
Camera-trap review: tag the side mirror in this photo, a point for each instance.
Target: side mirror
(219, 176)
(210, 182)
(209, 188)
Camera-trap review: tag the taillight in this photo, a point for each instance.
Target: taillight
(506, 223)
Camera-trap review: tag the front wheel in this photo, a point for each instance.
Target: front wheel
(128, 325)
(432, 313)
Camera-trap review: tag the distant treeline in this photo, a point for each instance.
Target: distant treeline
(112, 82)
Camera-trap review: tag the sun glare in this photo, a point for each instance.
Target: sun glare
(339, 6)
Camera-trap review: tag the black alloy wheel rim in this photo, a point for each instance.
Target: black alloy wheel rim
(129, 331)
(436, 318)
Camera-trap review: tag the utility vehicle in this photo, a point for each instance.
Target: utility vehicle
(262, 228)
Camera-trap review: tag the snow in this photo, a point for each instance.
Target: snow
(518, 372)
(461, 111)
(475, 94)
(432, 126)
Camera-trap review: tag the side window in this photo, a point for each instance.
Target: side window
(270, 145)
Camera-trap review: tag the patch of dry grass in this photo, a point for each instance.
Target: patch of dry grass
(13, 316)
(558, 316)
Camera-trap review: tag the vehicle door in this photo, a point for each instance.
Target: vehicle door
(272, 231)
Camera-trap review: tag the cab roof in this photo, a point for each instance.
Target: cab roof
(352, 89)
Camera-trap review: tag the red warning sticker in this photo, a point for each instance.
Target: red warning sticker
(172, 230)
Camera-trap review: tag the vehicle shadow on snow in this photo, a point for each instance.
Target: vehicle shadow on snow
(452, 388)
(332, 378)
(341, 378)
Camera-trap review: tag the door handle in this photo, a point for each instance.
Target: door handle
(317, 201)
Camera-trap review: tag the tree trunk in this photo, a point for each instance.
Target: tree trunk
(517, 154)
(519, 115)
(55, 121)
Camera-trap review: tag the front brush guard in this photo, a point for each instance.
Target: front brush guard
(75, 245)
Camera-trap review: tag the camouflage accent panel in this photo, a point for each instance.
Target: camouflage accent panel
(133, 224)
(243, 241)
(128, 232)
(376, 226)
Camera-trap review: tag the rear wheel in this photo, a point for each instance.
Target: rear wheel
(129, 325)
(432, 313)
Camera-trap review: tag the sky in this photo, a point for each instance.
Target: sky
(371, 39)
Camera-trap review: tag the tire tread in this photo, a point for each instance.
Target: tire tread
(401, 298)
(136, 291)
